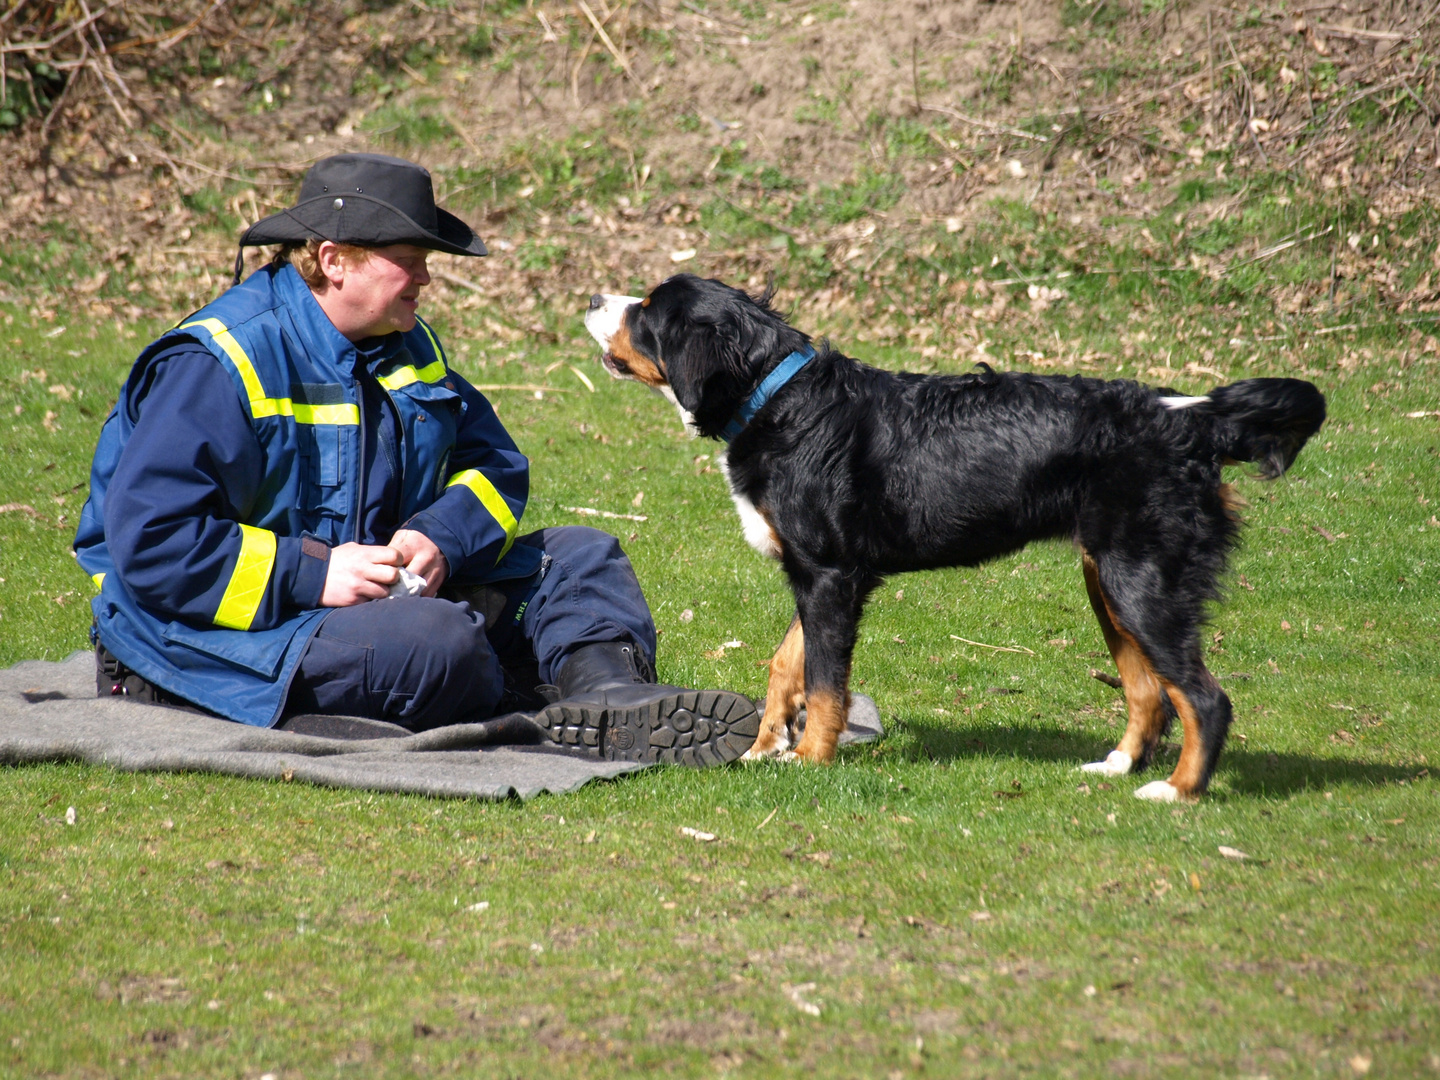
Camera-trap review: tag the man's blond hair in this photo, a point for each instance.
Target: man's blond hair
(305, 257)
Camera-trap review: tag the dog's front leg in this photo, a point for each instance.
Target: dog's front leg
(783, 698)
(830, 611)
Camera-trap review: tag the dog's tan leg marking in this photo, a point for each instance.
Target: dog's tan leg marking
(825, 713)
(784, 697)
(1142, 686)
(1233, 501)
(1184, 782)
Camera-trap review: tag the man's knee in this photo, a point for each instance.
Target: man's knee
(572, 542)
(421, 660)
(447, 634)
(441, 654)
(444, 633)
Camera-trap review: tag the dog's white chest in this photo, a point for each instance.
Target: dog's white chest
(758, 533)
(686, 416)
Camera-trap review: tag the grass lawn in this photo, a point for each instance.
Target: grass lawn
(954, 901)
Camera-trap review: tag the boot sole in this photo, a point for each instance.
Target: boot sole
(697, 728)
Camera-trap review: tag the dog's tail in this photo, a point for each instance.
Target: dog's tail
(1266, 421)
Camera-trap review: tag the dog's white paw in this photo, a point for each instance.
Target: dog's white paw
(788, 755)
(1158, 791)
(774, 753)
(762, 755)
(1116, 763)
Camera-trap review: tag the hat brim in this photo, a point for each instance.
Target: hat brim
(363, 220)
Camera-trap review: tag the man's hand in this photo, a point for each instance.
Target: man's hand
(359, 572)
(419, 555)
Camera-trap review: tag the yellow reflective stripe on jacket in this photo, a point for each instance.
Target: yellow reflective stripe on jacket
(434, 342)
(481, 487)
(432, 372)
(319, 414)
(226, 340)
(99, 580)
(249, 579)
(260, 405)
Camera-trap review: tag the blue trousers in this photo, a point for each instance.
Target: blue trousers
(424, 662)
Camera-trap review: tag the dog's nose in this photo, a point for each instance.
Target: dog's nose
(596, 301)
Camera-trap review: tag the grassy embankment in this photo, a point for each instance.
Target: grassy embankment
(960, 901)
(197, 924)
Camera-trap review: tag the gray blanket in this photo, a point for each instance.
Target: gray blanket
(49, 712)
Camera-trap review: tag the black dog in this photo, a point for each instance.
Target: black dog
(847, 473)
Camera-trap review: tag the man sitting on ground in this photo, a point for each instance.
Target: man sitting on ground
(293, 457)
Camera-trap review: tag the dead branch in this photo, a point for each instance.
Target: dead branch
(985, 125)
(611, 47)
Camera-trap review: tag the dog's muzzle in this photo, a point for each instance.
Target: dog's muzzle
(605, 315)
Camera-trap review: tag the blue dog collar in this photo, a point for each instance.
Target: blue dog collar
(787, 370)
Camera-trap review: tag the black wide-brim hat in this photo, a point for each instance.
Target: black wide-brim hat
(370, 200)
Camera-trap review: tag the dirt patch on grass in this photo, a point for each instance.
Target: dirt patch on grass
(888, 160)
(143, 990)
(711, 1032)
(782, 89)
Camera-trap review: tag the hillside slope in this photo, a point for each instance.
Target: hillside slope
(884, 159)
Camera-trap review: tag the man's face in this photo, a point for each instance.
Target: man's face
(381, 293)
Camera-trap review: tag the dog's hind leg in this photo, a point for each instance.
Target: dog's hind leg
(783, 698)
(1161, 632)
(1205, 713)
(1145, 700)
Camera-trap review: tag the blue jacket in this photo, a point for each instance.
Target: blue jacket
(210, 555)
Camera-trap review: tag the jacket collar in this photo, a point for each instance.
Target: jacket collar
(783, 373)
(316, 329)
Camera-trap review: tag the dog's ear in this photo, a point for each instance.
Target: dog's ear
(718, 361)
(706, 371)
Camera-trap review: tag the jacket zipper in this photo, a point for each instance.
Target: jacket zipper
(399, 455)
(359, 465)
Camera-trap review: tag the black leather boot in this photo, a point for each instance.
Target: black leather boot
(114, 679)
(610, 703)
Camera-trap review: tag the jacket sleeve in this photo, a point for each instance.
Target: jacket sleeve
(477, 516)
(188, 476)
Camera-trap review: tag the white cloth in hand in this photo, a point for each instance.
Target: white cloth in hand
(407, 584)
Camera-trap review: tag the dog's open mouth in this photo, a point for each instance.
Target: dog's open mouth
(605, 320)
